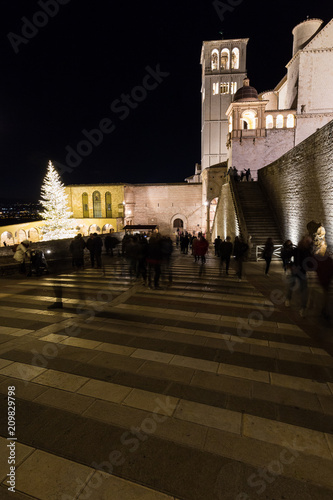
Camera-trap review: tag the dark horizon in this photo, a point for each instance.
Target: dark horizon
(73, 75)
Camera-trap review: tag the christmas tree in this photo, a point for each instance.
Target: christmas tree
(57, 215)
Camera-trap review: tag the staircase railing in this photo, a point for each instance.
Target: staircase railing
(238, 209)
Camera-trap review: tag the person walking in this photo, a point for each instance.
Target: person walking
(97, 249)
(297, 279)
(76, 248)
(240, 249)
(268, 253)
(90, 247)
(217, 243)
(154, 260)
(287, 254)
(225, 255)
(22, 255)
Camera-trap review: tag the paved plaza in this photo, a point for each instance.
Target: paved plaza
(208, 389)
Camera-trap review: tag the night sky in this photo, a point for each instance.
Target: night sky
(68, 74)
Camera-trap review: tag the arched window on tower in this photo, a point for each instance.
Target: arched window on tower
(97, 206)
(215, 59)
(108, 205)
(225, 59)
(235, 58)
(248, 120)
(85, 206)
(290, 121)
(269, 121)
(279, 121)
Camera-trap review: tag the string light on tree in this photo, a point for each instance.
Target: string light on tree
(59, 223)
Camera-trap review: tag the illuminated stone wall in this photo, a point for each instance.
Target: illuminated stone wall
(225, 223)
(300, 185)
(254, 153)
(161, 204)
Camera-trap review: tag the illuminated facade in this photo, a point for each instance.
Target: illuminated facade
(250, 130)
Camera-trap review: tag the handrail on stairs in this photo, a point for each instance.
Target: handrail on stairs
(238, 209)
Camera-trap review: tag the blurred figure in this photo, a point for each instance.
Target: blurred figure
(97, 249)
(202, 246)
(194, 248)
(240, 249)
(297, 278)
(23, 256)
(154, 260)
(217, 244)
(167, 249)
(76, 249)
(90, 246)
(287, 254)
(225, 254)
(268, 253)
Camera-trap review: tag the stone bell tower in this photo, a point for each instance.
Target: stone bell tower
(223, 71)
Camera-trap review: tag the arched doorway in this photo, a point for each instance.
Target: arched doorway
(178, 224)
(94, 229)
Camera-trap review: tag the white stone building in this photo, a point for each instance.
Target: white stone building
(250, 130)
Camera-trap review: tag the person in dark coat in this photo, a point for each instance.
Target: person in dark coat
(268, 253)
(297, 279)
(154, 260)
(76, 248)
(225, 254)
(287, 254)
(97, 249)
(167, 249)
(90, 247)
(240, 249)
(217, 243)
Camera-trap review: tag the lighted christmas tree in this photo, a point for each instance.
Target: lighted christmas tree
(57, 215)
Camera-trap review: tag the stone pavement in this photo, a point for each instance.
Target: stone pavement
(206, 390)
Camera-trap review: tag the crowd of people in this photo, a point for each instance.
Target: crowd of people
(150, 256)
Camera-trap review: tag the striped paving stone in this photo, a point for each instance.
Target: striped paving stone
(171, 405)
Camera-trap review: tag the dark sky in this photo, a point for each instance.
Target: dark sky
(67, 74)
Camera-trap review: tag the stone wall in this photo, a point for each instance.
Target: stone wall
(225, 222)
(161, 204)
(300, 185)
(256, 152)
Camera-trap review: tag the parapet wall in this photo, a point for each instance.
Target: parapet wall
(299, 185)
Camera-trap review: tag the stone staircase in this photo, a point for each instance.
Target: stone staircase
(258, 216)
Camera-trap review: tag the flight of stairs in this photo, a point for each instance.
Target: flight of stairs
(258, 216)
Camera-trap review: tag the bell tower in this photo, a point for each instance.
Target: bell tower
(223, 71)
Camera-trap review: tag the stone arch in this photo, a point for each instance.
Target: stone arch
(21, 235)
(181, 222)
(215, 59)
(269, 121)
(249, 119)
(94, 229)
(225, 58)
(7, 237)
(235, 58)
(279, 121)
(33, 234)
(83, 229)
(106, 228)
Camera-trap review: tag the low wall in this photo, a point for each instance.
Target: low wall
(299, 185)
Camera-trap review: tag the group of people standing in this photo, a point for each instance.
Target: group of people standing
(245, 174)
(94, 245)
